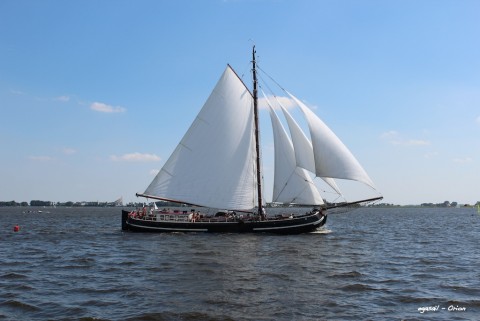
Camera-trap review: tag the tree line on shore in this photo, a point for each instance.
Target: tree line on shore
(169, 204)
(83, 204)
(444, 204)
(65, 204)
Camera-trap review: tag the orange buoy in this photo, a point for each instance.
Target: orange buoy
(16, 228)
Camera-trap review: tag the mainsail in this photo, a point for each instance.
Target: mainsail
(214, 163)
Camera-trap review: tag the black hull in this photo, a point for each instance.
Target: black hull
(297, 225)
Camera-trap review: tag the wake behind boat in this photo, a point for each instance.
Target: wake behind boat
(217, 165)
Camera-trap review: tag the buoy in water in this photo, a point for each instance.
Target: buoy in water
(16, 228)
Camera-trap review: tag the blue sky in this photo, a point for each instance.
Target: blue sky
(94, 95)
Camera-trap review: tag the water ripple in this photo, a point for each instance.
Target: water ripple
(370, 264)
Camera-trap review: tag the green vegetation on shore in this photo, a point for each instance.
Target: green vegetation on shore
(162, 204)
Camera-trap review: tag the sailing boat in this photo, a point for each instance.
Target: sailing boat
(217, 165)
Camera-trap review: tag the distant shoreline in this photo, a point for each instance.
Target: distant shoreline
(49, 204)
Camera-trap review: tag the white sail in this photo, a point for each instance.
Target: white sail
(292, 184)
(214, 163)
(332, 157)
(303, 148)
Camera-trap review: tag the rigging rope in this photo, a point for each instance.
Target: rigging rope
(271, 78)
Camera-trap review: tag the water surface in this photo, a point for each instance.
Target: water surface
(369, 264)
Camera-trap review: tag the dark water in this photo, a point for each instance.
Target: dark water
(370, 264)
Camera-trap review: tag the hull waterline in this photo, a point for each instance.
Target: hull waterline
(296, 225)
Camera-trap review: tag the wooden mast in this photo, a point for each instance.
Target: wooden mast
(257, 136)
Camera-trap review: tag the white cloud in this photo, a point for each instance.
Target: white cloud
(478, 120)
(389, 135)
(63, 99)
(431, 155)
(275, 101)
(17, 92)
(154, 172)
(416, 142)
(69, 151)
(104, 108)
(464, 160)
(135, 157)
(394, 138)
(41, 158)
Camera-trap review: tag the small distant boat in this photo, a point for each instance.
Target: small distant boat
(217, 165)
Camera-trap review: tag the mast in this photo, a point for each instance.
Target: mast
(257, 135)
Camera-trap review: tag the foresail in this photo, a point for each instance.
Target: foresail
(303, 148)
(332, 157)
(213, 165)
(292, 184)
(301, 145)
